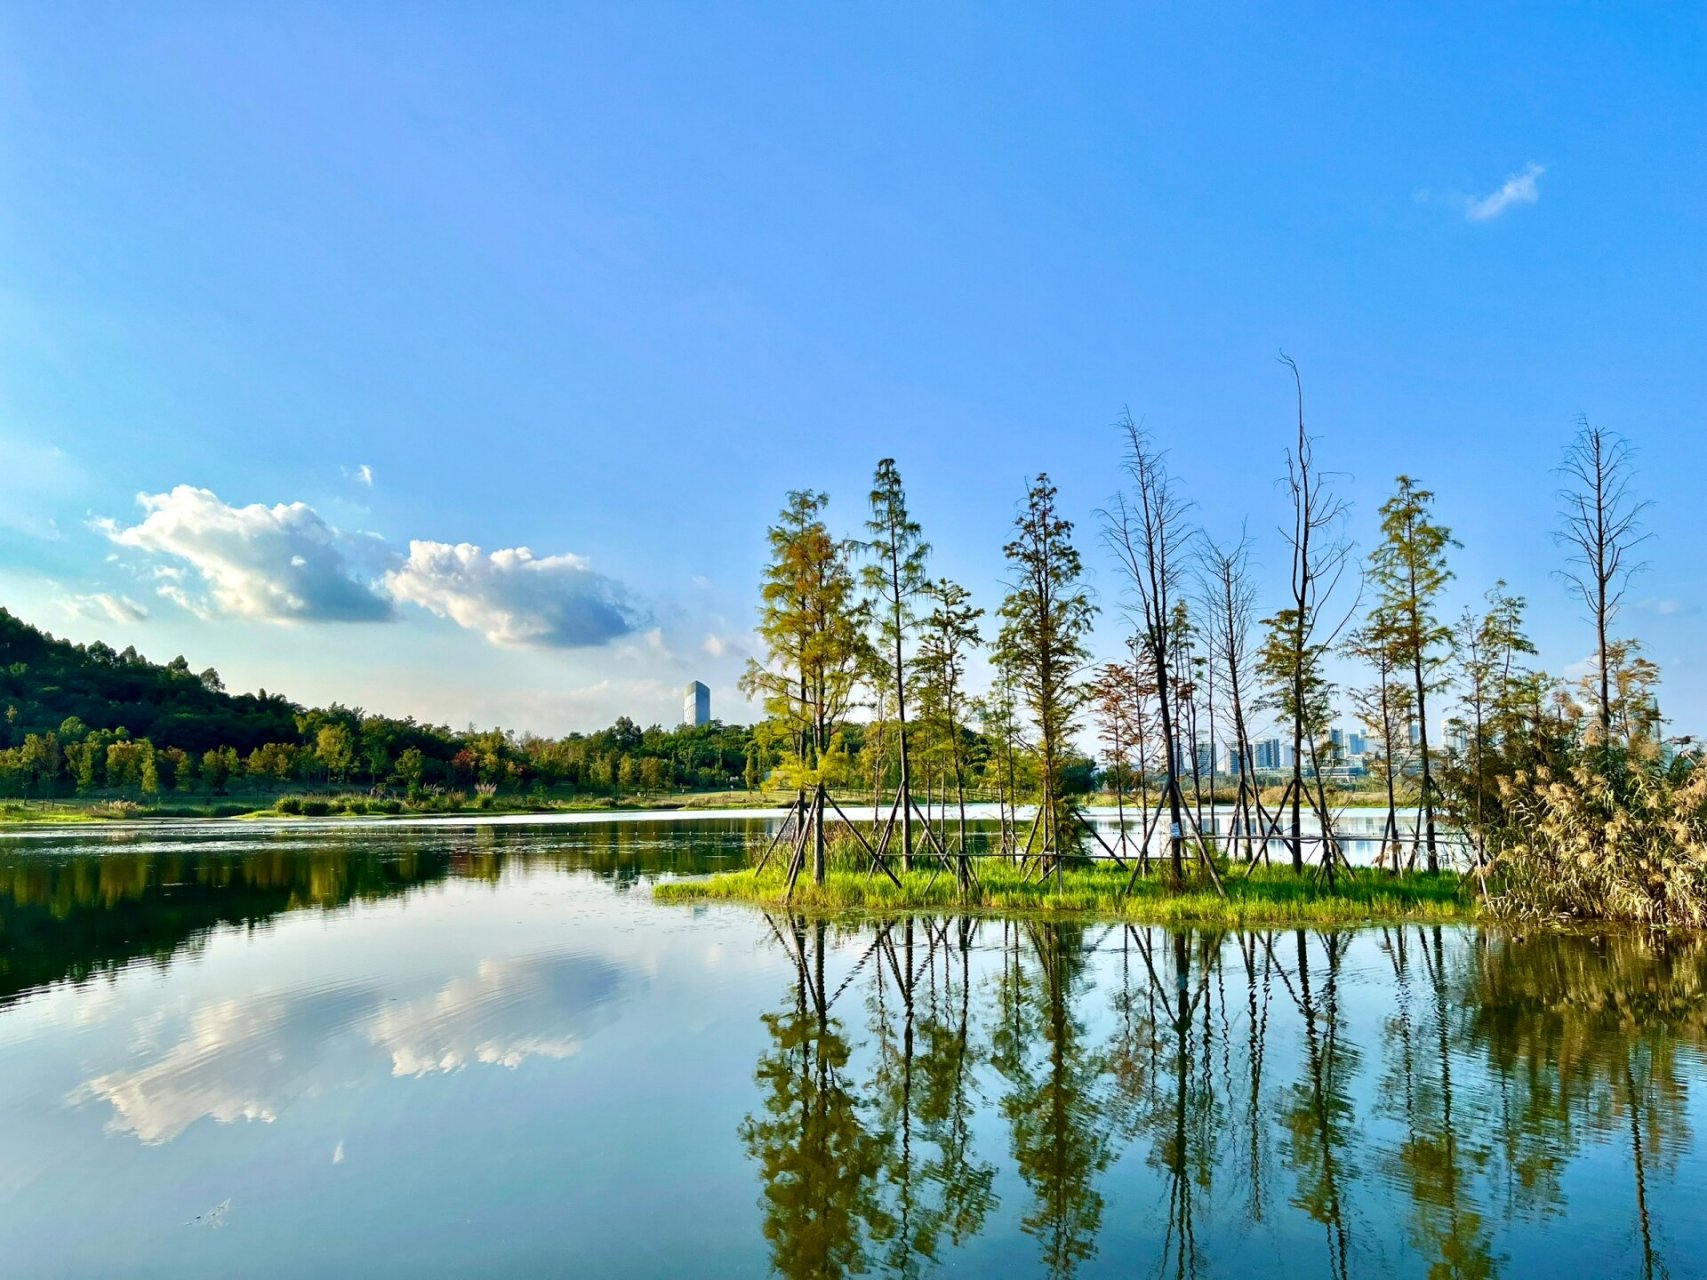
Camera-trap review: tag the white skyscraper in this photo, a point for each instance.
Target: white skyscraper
(696, 705)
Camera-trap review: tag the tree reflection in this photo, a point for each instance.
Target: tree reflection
(72, 918)
(1176, 1105)
(1317, 1113)
(93, 904)
(1058, 1098)
(1587, 1040)
(1407, 1141)
(922, 1085)
(819, 1160)
(1441, 1155)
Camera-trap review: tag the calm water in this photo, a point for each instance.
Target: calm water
(418, 1051)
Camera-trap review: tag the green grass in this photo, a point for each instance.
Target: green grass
(17, 812)
(1268, 897)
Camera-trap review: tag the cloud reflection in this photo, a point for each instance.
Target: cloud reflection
(248, 1060)
(241, 1060)
(504, 1013)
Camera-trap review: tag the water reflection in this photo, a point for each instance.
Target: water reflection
(507, 1011)
(1396, 1101)
(236, 1060)
(479, 1051)
(95, 903)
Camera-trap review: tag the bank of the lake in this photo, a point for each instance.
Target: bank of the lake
(1265, 897)
(359, 804)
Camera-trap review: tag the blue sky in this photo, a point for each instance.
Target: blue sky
(450, 360)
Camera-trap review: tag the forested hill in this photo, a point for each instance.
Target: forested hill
(88, 718)
(45, 681)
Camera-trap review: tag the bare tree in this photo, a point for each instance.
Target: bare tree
(1149, 535)
(1301, 634)
(1601, 527)
(1229, 600)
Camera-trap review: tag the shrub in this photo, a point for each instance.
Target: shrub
(291, 805)
(315, 808)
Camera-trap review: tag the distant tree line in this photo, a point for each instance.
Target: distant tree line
(86, 720)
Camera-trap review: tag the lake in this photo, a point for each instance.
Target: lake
(401, 1049)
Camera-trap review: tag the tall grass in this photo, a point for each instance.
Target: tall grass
(1617, 840)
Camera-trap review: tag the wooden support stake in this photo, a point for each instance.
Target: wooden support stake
(780, 832)
(857, 836)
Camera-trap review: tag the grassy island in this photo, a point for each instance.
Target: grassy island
(1266, 897)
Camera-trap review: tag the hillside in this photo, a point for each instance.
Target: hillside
(44, 681)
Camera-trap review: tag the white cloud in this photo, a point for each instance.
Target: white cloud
(715, 646)
(1518, 189)
(1666, 608)
(362, 475)
(102, 606)
(281, 563)
(648, 648)
(514, 597)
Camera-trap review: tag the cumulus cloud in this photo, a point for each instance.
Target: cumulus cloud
(281, 563)
(514, 597)
(1518, 189)
(101, 606)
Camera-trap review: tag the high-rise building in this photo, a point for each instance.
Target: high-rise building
(1205, 757)
(696, 705)
(1269, 754)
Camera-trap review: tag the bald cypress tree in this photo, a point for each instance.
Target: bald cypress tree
(1408, 571)
(813, 625)
(1045, 623)
(895, 577)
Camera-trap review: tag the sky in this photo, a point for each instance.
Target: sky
(451, 360)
